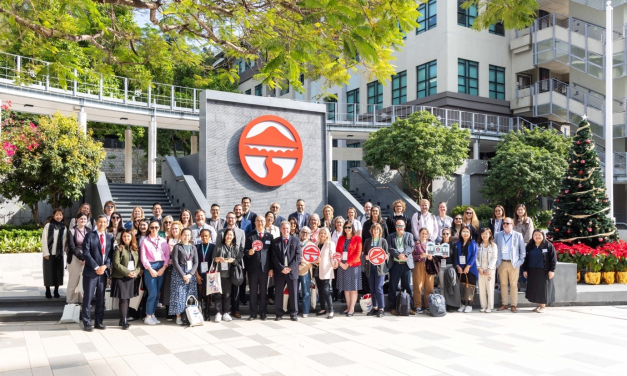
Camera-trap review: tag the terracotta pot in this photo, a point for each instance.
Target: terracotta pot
(592, 278)
(621, 277)
(608, 277)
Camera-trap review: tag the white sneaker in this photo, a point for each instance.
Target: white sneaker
(468, 309)
(178, 320)
(488, 310)
(305, 315)
(159, 305)
(155, 319)
(540, 310)
(149, 321)
(217, 318)
(461, 309)
(482, 310)
(227, 317)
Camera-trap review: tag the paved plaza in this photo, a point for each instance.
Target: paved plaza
(563, 341)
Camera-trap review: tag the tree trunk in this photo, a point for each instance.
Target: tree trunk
(34, 209)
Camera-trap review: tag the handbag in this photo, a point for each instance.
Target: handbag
(192, 311)
(313, 295)
(111, 303)
(467, 290)
(431, 266)
(214, 283)
(237, 274)
(71, 313)
(136, 300)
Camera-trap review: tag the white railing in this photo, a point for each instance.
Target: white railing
(600, 4)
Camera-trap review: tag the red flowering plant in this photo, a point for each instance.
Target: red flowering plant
(618, 252)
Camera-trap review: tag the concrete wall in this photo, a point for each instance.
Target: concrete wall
(221, 176)
(113, 165)
(464, 187)
(182, 189)
(341, 200)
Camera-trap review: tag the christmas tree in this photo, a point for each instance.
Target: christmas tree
(580, 211)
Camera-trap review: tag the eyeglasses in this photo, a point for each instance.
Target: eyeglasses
(110, 206)
(348, 227)
(275, 207)
(167, 222)
(445, 234)
(468, 212)
(400, 226)
(115, 218)
(458, 218)
(154, 228)
(507, 223)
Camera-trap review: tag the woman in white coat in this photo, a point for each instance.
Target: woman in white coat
(53, 246)
(324, 275)
(486, 266)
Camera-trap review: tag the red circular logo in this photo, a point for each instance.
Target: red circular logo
(311, 253)
(270, 150)
(337, 257)
(257, 245)
(376, 255)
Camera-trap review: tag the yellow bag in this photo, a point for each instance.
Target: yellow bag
(621, 277)
(593, 278)
(608, 278)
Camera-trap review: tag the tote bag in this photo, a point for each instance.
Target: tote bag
(214, 284)
(467, 290)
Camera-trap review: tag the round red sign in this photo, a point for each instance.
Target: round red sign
(270, 150)
(311, 253)
(257, 245)
(376, 256)
(337, 256)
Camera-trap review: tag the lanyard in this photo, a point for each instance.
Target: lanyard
(153, 243)
(187, 249)
(375, 242)
(204, 251)
(507, 241)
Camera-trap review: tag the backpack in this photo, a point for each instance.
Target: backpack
(437, 305)
(237, 274)
(403, 303)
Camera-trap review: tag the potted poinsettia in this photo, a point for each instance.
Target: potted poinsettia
(594, 264)
(621, 266)
(566, 253)
(608, 270)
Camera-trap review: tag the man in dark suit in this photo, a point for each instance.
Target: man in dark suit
(258, 266)
(246, 213)
(400, 264)
(97, 250)
(286, 258)
(275, 207)
(241, 222)
(301, 216)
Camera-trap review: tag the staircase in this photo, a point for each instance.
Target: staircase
(358, 196)
(127, 196)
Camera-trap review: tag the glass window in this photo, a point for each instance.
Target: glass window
(497, 29)
(249, 92)
(399, 88)
(334, 170)
(427, 79)
(375, 96)
(331, 108)
(352, 104)
(286, 90)
(467, 77)
(466, 17)
(428, 18)
(497, 82)
(259, 90)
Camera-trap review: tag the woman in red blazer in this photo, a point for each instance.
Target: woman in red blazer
(349, 271)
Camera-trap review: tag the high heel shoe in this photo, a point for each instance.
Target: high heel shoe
(330, 316)
(321, 312)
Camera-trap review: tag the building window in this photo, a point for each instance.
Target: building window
(355, 145)
(241, 67)
(398, 24)
(465, 17)
(334, 171)
(428, 18)
(497, 29)
(249, 92)
(271, 91)
(497, 82)
(352, 104)
(375, 96)
(353, 164)
(301, 78)
(399, 88)
(259, 90)
(286, 90)
(427, 79)
(467, 77)
(331, 108)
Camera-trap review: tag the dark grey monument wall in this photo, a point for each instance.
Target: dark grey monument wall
(221, 176)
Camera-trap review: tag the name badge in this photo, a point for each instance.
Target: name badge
(545, 250)
(285, 261)
(462, 260)
(344, 256)
(268, 241)
(204, 267)
(224, 266)
(131, 265)
(188, 266)
(443, 263)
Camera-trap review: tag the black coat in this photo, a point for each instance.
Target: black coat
(260, 261)
(73, 249)
(391, 222)
(550, 257)
(293, 256)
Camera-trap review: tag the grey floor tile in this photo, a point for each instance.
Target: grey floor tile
(387, 330)
(427, 335)
(466, 370)
(484, 324)
(138, 332)
(481, 333)
(228, 360)
(497, 345)
(194, 356)
(260, 351)
(591, 359)
(331, 360)
(519, 368)
(328, 338)
(571, 372)
(274, 325)
(438, 352)
(526, 338)
(225, 333)
(12, 343)
(59, 362)
(399, 354)
(86, 347)
(261, 339)
(53, 333)
(158, 349)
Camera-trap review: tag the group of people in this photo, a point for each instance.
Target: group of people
(174, 259)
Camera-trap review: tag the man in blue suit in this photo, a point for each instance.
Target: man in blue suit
(401, 263)
(300, 215)
(241, 222)
(511, 255)
(97, 250)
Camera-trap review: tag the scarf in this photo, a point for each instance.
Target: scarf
(54, 225)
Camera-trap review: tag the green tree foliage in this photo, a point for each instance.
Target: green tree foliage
(318, 38)
(513, 14)
(527, 165)
(48, 159)
(420, 148)
(580, 212)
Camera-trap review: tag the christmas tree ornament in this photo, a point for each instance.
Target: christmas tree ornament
(580, 172)
(583, 162)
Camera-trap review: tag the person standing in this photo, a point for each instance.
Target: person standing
(215, 221)
(201, 224)
(157, 211)
(523, 223)
(314, 227)
(496, 223)
(466, 264)
(326, 265)
(285, 259)
(376, 273)
(240, 241)
(137, 213)
(225, 254)
(97, 249)
(185, 262)
(294, 228)
(275, 208)
(375, 217)
(511, 255)
(75, 259)
(398, 207)
(302, 217)
(424, 219)
(115, 227)
(449, 285)
(351, 218)
(125, 267)
(366, 216)
(246, 213)
(108, 209)
(401, 263)
(166, 225)
(258, 267)
(173, 237)
(336, 232)
(472, 221)
(304, 269)
(53, 246)
(185, 217)
(456, 229)
(442, 221)
(155, 256)
(327, 217)
(349, 272)
(486, 267)
(422, 274)
(270, 227)
(539, 269)
(86, 209)
(205, 255)
(241, 222)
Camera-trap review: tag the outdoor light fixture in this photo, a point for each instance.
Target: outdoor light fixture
(123, 118)
(28, 105)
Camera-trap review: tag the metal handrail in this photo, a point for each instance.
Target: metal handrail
(600, 4)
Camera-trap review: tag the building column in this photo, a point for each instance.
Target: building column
(82, 120)
(475, 150)
(128, 155)
(329, 156)
(152, 150)
(193, 143)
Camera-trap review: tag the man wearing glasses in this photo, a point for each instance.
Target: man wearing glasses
(157, 210)
(302, 218)
(401, 262)
(199, 218)
(215, 221)
(275, 208)
(398, 207)
(511, 255)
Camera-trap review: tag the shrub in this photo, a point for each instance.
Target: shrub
(541, 220)
(22, 244)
